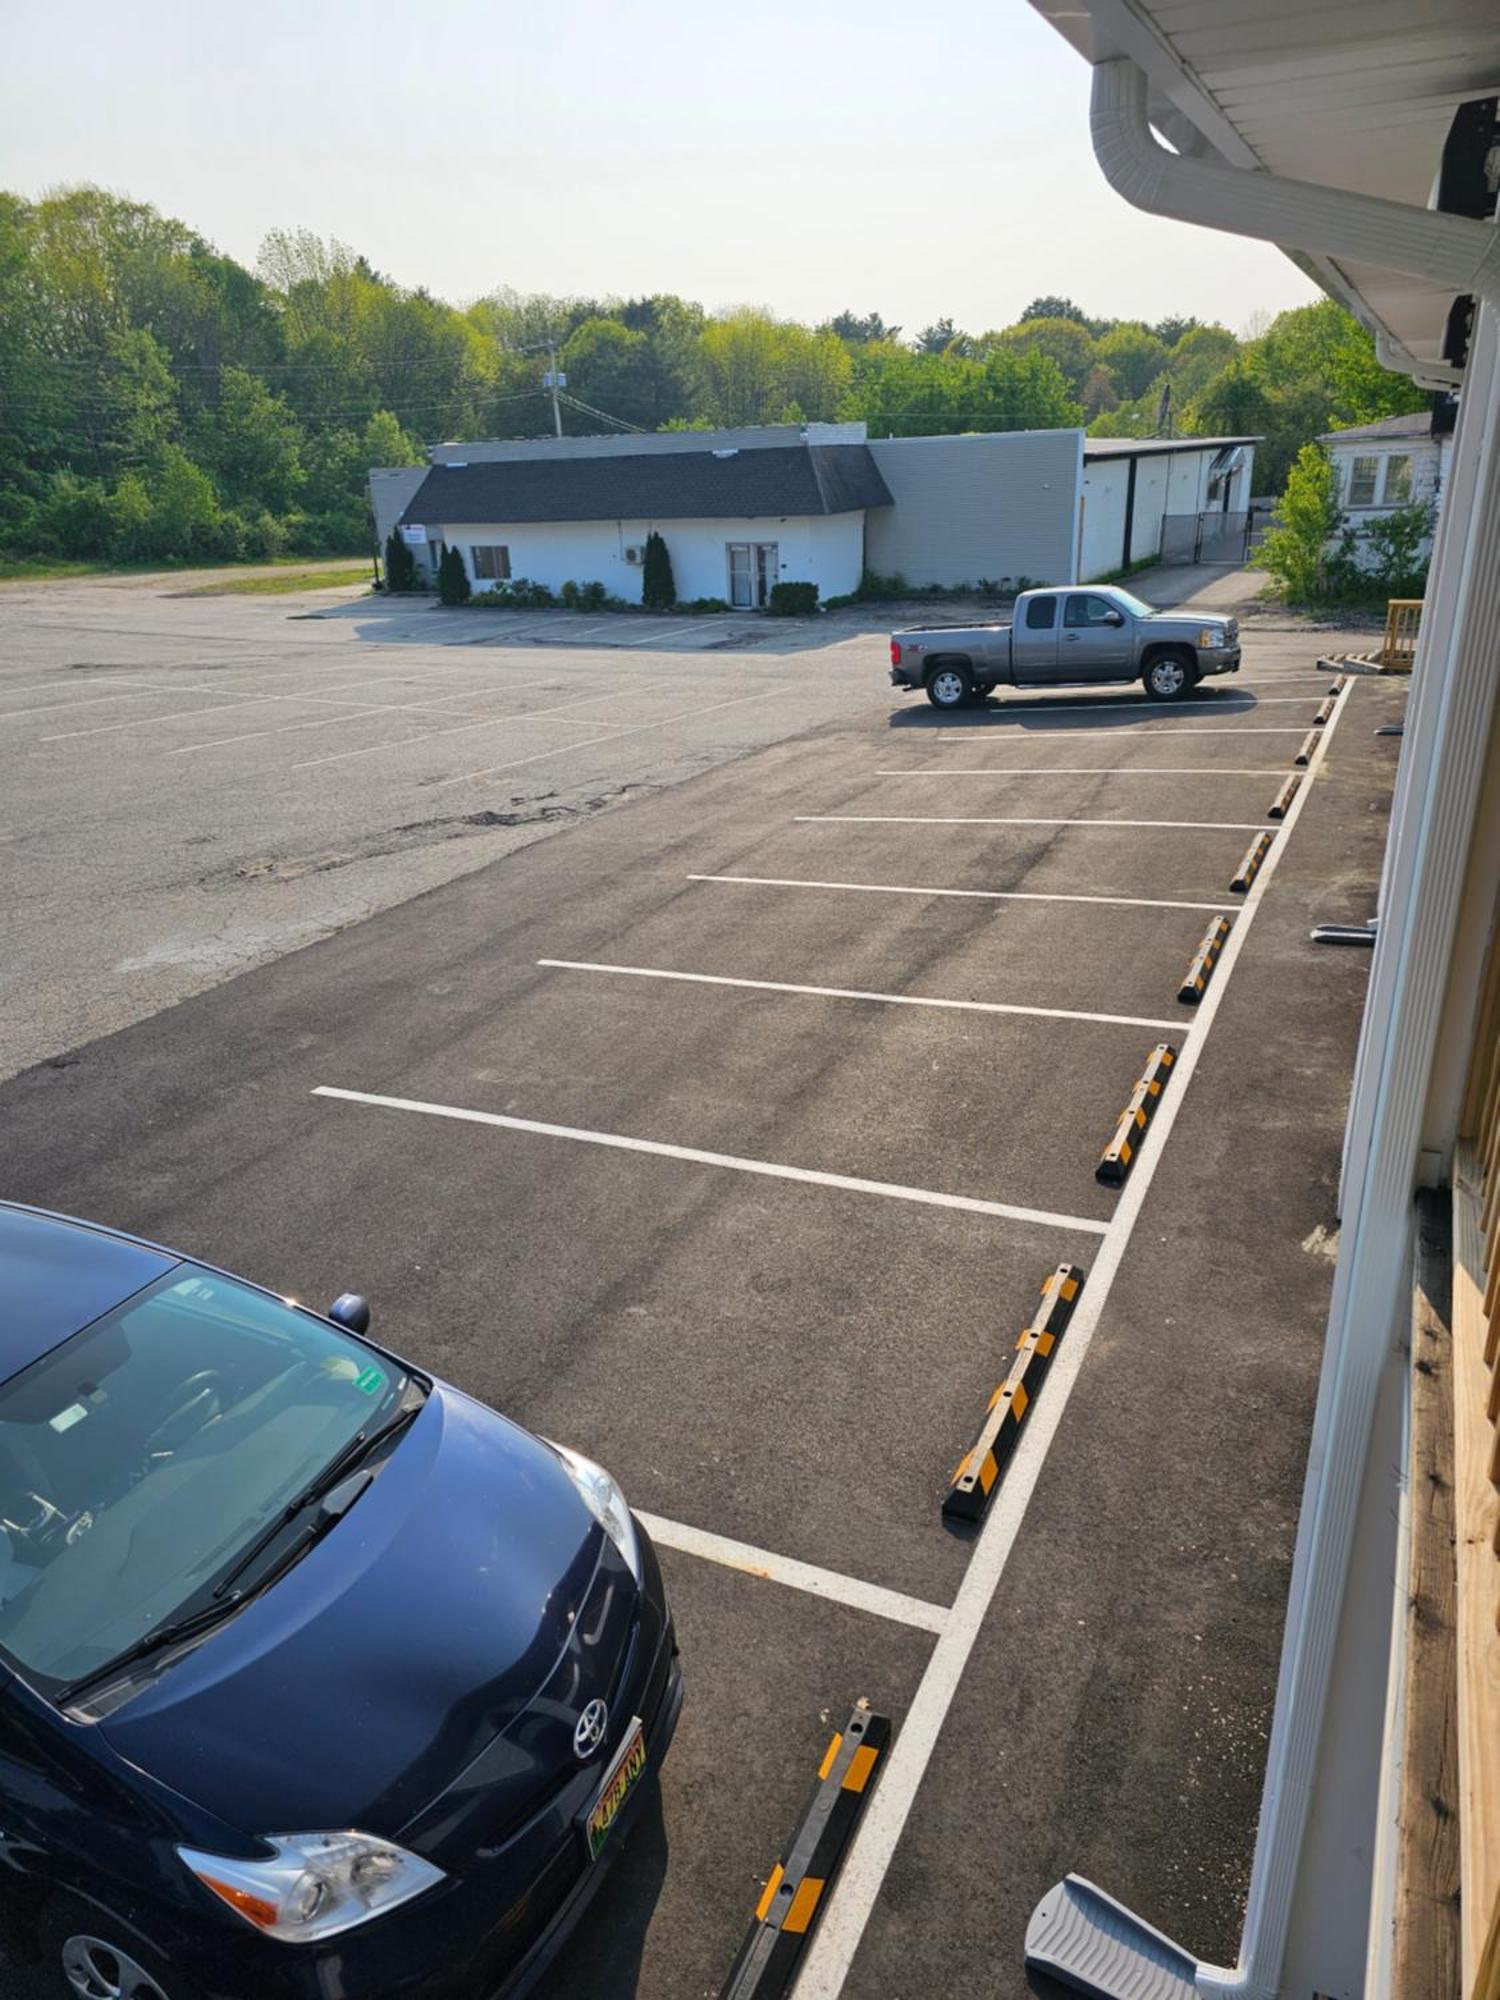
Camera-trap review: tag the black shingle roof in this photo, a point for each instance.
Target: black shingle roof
(655, 486)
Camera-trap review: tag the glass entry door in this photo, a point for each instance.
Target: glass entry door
(753, 569)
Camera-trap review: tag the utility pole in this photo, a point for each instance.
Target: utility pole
(554, 380)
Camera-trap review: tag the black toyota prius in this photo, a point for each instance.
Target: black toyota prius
(318, 1680)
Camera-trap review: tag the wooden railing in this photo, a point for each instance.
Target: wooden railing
(1476, 1498)
(1403, 621)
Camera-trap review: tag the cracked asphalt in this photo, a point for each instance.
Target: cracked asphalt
(202, 786)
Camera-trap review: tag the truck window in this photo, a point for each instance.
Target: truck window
(1041, 614)
(1087, 610)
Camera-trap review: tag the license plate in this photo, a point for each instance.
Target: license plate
(620, 1780)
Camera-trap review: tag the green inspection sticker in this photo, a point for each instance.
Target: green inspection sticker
(370, 1380)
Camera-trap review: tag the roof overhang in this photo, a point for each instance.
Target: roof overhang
(1357, 99)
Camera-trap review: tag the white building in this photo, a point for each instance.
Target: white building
(741, 510)
(1386, 465)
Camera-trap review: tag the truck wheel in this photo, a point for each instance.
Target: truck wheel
(1169, 677)
(950, 686)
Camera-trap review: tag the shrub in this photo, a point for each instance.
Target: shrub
(873, 587)
(1294, 552)
(400, 564)
(703, 605)
(453, 578)
(263, 538)
(594, 597)
(658, 590)
(568, 595)
(793, 600)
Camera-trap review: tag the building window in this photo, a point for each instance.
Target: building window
(1362, 473)
(1397, 489)
(491, 562)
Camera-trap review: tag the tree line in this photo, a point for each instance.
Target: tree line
(160, 400)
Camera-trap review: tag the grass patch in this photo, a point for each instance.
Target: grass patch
(272, 586)
(47, 569)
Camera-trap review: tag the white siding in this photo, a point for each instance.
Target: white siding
(824, 549)
(991, 504)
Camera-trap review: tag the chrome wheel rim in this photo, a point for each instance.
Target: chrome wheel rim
(949, 688)
(98, 1971)
(1168, 676)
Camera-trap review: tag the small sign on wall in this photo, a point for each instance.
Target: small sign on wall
(413, 536)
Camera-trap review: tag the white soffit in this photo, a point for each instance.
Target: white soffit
(1349, 93)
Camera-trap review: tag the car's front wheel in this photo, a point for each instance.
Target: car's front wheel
(89, 1955)
(1169, 677)
(950, 686)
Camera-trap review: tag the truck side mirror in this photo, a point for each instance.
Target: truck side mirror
(351, 1311)
(1114, 617)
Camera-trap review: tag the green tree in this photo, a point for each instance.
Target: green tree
(252, 444)
(453, 578)
(658, 589)
(1134, 355)
(1070, 345)
(1295, 549)
(400, 564)
(860, 331)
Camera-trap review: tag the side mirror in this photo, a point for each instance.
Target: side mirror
(351, 1311)
(1114, 618)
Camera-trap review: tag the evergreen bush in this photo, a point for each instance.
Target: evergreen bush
(400, 564)
(453, 578)
(658, 590)
(793, 600)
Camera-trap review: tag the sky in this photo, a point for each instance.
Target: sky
(807, 155)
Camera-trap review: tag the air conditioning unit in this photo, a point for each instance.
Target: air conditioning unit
(636, 554)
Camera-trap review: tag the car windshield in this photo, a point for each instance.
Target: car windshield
(1134, 605)
(142, 1456)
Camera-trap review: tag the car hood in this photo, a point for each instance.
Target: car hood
(421, 1628)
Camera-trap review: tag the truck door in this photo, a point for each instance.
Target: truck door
(1097, 641)
(1034, 641)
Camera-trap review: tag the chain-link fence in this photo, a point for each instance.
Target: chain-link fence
(1211, 537)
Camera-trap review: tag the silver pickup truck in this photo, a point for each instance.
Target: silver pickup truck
(1067, 637)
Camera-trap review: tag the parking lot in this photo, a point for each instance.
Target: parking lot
(729, 1136)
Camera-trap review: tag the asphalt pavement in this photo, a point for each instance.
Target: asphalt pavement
(729, 1136)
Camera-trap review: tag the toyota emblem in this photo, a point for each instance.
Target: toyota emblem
(589, 1730)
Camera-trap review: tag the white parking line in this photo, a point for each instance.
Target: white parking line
(825, 1583)
(979, 895)
(678, 631)
(1227, 704)
(1072, 735)
(483, 722)
(939, 819)
(848, 1910)
(345, 700)
(614, 736)
(892, 1190)
(856, 993)
(350, 712)
(1088, 771)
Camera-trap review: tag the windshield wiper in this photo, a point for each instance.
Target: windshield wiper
(343, 1462)
(169, 1634)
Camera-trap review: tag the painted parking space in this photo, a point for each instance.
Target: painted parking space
(781, 1366)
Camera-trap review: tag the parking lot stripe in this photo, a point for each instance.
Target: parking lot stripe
(857, 993)
(1016, 716)
(262, 700)
(614, 736)
(827, 1583)
(849, 1910)
(892, 1190)
(941, 819)
(1088, 771)
(484, 722)
(352, 711)
(978, 895)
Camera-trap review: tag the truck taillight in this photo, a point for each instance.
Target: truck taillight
(895, 652)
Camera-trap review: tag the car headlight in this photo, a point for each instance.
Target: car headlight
(605, 1502)
(316, 1884)
(1211, 636)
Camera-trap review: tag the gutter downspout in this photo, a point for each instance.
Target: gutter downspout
(1426, 374)
(1077, 1932)
(1450, 251)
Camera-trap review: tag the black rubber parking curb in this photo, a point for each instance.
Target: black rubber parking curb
(1325, 713)
(1118, 1156)
(978, 1473)
(791, 1900)
(1278, 807)
(1310, 743)
(1207, 957)
(1250, 867)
